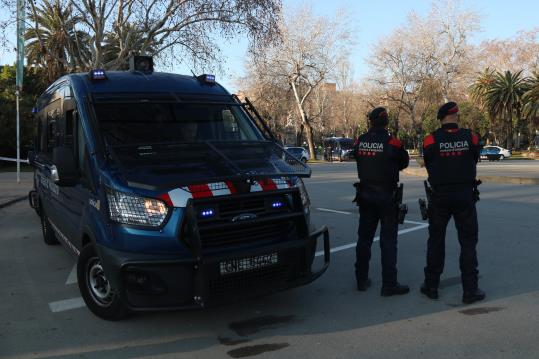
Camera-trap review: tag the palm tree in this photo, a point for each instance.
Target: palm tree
(481, 85)
(531, 105)
(501, 95)
(478, 91)
(53, 42)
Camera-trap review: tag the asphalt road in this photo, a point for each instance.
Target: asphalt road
(326, 319)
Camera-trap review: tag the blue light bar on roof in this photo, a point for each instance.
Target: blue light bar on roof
(207, 78)
(98, 74)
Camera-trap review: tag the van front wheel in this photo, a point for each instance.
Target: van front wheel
(99, 296)
(48, 234)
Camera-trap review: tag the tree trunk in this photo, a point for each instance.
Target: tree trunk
(531, 133)
(304, 119)
(310, 140)
(509, 140)
(299, 135)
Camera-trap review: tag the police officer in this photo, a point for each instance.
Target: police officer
(451, 154)
(379, 158)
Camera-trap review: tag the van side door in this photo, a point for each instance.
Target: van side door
(48, 135)
(74, 198)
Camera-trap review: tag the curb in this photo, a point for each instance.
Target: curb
(13, 201)
(485, 179)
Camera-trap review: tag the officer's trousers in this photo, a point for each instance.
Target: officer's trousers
(377, 206)
(461, 205)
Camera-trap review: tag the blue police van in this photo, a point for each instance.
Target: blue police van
(171, 192)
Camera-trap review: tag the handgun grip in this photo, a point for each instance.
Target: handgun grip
(423, 208)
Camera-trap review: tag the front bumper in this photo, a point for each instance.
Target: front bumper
(194, 283)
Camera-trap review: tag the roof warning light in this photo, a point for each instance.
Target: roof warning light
(98, 74)
(206, 78)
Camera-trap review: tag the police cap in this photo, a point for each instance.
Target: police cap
(447, 109)
(378, 117)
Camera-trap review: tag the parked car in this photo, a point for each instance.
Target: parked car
(338, 148)
(494, 153)
(299, 152)
(170, 192)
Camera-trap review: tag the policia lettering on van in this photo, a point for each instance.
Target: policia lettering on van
(171, 192)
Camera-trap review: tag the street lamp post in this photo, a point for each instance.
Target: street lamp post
(17, 93)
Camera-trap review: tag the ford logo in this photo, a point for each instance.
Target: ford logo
(244, 217)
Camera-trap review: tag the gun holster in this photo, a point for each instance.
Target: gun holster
(357, 198)
(425, 204)
(476, 192)
(424, 209)
(402, 208)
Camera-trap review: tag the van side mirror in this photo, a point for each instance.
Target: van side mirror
(64, 171)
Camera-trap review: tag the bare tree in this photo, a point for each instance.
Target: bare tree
(303, 59)
(424, 61)
(450, 27)
(173, 30)
(402, 71)
(520, 52)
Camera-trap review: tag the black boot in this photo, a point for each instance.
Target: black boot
(430, 292)
(470, 297)
(362, 285)
(397, 289)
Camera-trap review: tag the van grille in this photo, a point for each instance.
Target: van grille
(263, 222)
(247, 232)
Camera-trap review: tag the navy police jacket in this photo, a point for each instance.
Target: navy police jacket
(379, 157)
(451, 154)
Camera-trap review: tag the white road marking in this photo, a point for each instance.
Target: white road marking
(414, 222)
(344, 212)
(377, 238)
(420, 225)
(333, 211)
(66, 304)
(72, 277)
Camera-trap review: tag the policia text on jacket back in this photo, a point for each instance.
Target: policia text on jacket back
(379, 158)
(451, 154)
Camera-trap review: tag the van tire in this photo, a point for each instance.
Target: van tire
(48, 234)
(104, 302)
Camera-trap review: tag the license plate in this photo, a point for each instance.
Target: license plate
(247, 264)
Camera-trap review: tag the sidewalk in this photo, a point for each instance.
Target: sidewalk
(511, 172)
(11, 191)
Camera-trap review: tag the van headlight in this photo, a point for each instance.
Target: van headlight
(129, 209)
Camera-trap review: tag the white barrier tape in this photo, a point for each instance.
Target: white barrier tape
(13, 159)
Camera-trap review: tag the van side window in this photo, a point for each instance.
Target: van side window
(52, 131)
(69, 130)
(37, 136)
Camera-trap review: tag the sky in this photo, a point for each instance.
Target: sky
(372, 19)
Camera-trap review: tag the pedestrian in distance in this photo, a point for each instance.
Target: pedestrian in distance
(451, 155)
(379, 157)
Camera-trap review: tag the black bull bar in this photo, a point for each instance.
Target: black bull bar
(201, 281)
(116, 263)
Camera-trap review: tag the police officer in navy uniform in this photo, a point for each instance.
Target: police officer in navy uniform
(451, 154)
(379, 158)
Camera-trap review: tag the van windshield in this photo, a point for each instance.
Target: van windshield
(148, 123)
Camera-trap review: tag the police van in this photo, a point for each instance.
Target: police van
(171, 192)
